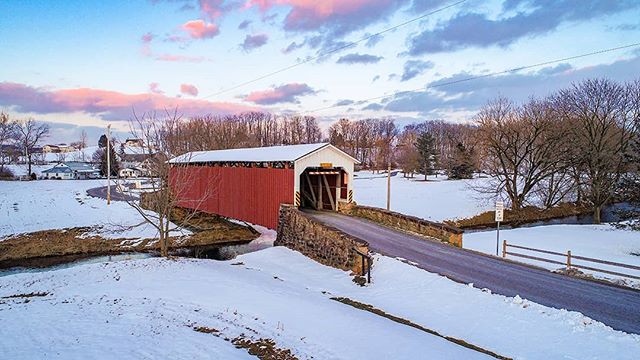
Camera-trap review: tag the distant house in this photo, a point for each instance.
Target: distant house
(71, 170)
(58, 148)
(129, 173)
(134, 142)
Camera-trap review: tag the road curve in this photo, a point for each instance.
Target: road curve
(615, 306)
(101, 192)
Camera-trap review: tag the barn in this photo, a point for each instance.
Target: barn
(250, 184)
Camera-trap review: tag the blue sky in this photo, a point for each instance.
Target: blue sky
(83, 64)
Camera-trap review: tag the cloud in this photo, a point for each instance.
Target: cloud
(243, 25)
(531, 18)
(331, 18)
(292, 47)
(252, 42)
(212, 9)
(108, 105)
(181, 58)
(449, 94)
(359, 59)
(373, 107)
(375, 78)
(154, 87)
(413, 68)
(199, 29)
(188, 89)
(288, 93)
(147, 38)
(344, 102)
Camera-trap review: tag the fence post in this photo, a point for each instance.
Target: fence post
(568, 259)
(504, 248)
(369, 270)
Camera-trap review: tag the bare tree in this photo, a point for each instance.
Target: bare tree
(170, 188)
(601, 119)
(28, 134)
(6, 133)
(520, 145)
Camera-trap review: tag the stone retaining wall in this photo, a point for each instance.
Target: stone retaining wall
(325, 244)
(443, 232)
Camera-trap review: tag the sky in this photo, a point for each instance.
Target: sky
(83, 64)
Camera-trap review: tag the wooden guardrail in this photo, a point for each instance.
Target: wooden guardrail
(568, 260)
(366, 268)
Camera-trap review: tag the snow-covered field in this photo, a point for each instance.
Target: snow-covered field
(27, 206)
(594, 241)
(148, 308)
(435, 200)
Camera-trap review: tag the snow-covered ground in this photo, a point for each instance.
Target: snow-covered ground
(594, 241)
(435, 200)
(148, 308)
(27, 206)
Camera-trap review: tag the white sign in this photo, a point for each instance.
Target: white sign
(499, 211)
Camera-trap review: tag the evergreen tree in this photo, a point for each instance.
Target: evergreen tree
(102, 142)
(426, 145)
(462, 163)
(100, 157)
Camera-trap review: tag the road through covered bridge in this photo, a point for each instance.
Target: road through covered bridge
(614, 306)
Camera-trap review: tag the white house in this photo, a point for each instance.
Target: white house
(71, 170)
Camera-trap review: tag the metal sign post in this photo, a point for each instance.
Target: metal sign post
(499, 218)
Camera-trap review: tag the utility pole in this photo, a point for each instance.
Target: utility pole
(109, 164)
(389, 185)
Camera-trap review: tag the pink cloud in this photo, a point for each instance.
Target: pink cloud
(189, 89)
(212, 8)
(314, 14)
(109, 105)
(147, 38)
(180, 58)
(154, 87)
(288, 93)
(199, 29)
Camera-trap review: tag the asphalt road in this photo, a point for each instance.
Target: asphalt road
(615, 306)
(101, 192)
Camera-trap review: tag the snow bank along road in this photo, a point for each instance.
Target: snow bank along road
(614, 306)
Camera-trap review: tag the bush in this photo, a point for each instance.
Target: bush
(6, 174)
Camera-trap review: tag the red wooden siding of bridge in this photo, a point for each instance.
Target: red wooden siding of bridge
(244, 193)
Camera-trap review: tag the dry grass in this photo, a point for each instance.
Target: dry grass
(374, 310)
(525, 215)
(43, 248)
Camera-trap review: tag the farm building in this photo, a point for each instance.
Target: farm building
(250, 184)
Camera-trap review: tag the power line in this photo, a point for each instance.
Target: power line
(482, 76)
(334, 50)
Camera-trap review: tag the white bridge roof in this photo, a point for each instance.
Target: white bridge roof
(259, 154)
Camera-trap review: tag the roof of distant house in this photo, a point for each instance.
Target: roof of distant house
(71, 166)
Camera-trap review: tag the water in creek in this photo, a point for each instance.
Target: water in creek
(217, 252)
(83, 261)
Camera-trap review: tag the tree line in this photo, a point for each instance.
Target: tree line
(577, 145)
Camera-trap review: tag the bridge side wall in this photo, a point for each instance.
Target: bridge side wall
(322, 243)
(443, 232)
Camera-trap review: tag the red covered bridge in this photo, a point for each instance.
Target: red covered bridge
(250, 184)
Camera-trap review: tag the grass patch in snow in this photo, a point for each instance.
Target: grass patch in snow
(33, 294)
(374, 310)
(526, 215)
